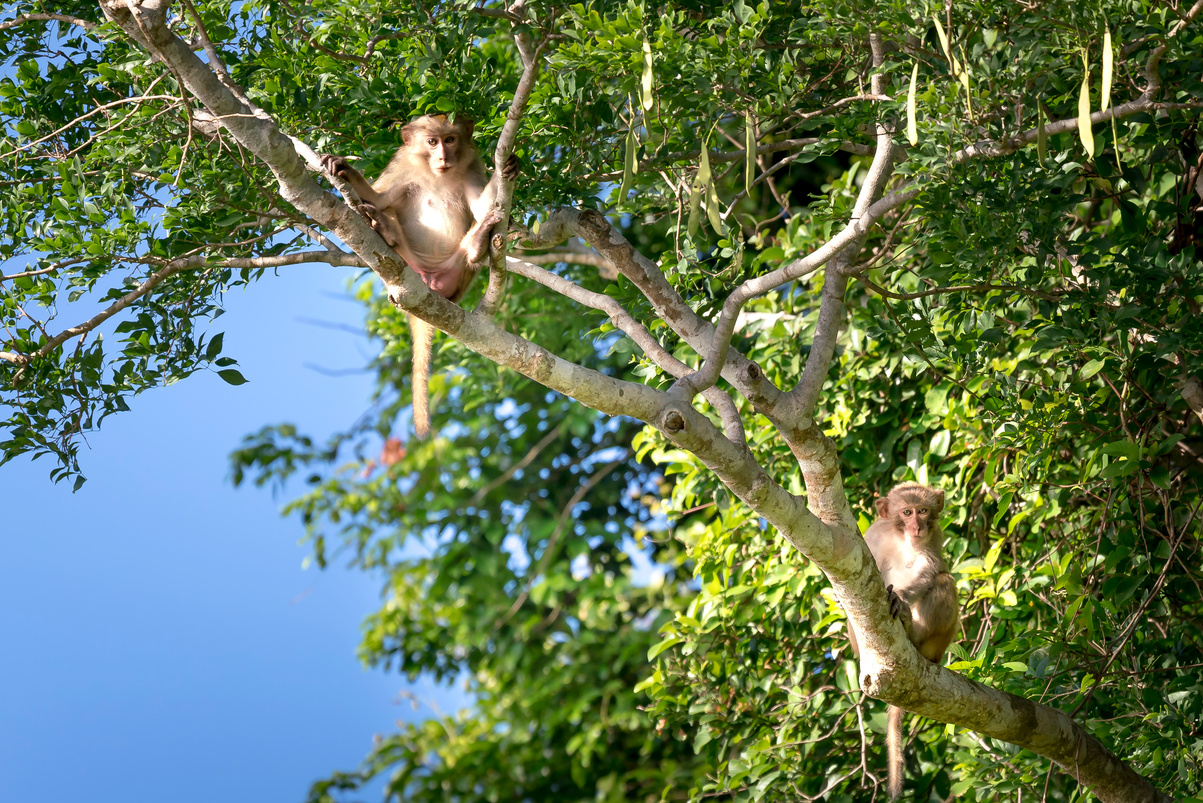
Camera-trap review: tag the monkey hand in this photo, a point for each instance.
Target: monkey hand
(898, 608)
(335, 165)
(510, 170)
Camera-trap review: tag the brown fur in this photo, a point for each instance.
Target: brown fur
(907, 545)
(434, 205)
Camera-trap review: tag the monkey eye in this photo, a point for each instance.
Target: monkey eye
(450, 140)
(922, 510)
(431, 141)
(908, 512)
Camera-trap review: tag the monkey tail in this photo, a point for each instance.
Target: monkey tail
(423, 337)
(894, 747)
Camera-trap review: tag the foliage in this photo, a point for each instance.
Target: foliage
(1019, 333)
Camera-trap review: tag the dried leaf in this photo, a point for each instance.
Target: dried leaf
(1108, 65)
(712, 208)
(1041, 133)
(1084, 130)
(705, 184)
(630, 165)
(943, 38)
(700, 180)
(749, 153)
(912, 130)
(646, 87)
(963, 75)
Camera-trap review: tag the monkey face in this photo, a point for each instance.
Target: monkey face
(442, 151)
(915, 520)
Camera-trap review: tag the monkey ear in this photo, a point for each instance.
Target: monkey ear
(469, 125)
(407, 133)
(939, 504)
(883, 507)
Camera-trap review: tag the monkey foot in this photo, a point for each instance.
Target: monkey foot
(510, 170)
(334, 165)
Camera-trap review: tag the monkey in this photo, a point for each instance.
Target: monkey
(907, 545)
(435, 207)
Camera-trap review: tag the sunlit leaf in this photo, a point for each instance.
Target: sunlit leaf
(645, 86)
(1041, 133)
(749, 152)
(1085, 133)
(912, 131)
(1108, 56)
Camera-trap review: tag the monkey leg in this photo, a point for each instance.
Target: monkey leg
(936, 620)
(476, 240)
(384, 223)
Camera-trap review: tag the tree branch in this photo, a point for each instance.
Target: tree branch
(505, 146)
(594, 229)
(639, 334)
(87, 25)
(170, 269)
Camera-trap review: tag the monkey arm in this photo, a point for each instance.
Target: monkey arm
(377, 206)
(340, 167)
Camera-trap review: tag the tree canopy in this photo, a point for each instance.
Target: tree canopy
(764, 261)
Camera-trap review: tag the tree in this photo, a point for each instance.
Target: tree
(854, 249)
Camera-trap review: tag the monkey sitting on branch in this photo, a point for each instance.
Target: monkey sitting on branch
(907, 545)
(435, 206)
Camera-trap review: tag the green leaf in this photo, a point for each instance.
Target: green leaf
(231, 376)
(1091, 368)
(936, 399)
(668, 643)
(214, 347)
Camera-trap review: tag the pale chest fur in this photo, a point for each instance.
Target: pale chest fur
(899, 562)
(904, 565)
(434, 227)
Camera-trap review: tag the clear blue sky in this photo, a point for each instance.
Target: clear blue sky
(161, 641)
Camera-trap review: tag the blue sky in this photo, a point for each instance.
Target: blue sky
(161, 640)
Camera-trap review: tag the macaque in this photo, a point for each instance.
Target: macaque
(907, 545)
(435, 206)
